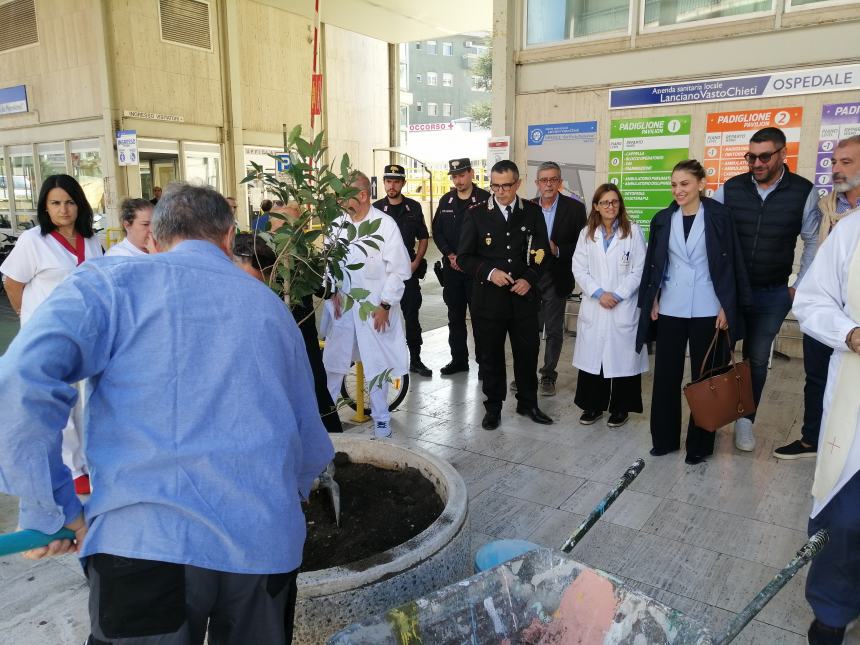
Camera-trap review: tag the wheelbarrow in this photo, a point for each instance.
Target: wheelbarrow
(544, 596)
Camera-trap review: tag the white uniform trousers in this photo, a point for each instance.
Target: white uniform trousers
(73, 435)
(378, 396)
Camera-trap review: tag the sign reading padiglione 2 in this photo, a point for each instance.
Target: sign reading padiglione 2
(802, 81)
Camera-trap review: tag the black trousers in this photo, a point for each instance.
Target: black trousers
(620, 394)
(410, 304)
(304, 315)
(146, 602)
(522, 328)
(669, 353)
(816, 361)
(457, 294)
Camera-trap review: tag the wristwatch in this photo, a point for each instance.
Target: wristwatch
(385, 305)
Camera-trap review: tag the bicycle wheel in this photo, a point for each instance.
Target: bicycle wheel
(397, 389)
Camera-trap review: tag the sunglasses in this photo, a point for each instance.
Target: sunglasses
(764, 157)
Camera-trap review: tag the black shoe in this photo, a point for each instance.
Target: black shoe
(692, 460)
(419, 368)
(454, 368)
(821, 634)
(795, 450)
(491, 421)
(617, 419)
(535, 414)
(659, 452)
(590, 416)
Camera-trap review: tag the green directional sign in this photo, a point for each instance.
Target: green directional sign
(642, 153)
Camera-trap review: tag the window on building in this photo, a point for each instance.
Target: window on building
(812, 4)
(447, 49)
(404, 114)
(478, 84)
(87, 169)
(431, 47)
(418, 106)
(52, 159)
(419, 79)
(5, 222)
(203, 163)
(549, 21)
(446, 109)
(432, 78)
(432, 109)
(447, 80)
(404, 76)
(23, 185)
(667, 13)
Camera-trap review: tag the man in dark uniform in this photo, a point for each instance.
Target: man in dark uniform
(457, 290)
(410, 220)
(503, 246)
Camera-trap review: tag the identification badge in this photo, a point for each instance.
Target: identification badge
(488, 240)
(625, 259)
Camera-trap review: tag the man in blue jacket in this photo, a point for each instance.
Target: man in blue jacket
(201, 447)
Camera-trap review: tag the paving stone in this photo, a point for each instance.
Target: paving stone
(632, 509)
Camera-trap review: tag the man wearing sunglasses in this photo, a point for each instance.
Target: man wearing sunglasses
(768, 206)
(503, 247)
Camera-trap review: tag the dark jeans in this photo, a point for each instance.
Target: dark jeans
(763, 320)
(833, 583)
(620, 394)
(525, 341)
(457, 294)
(145, 602)
(551, 320)
(816, 360)
(669, 355)
(410, 304)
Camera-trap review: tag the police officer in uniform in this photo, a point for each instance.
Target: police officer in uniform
(503, 246)
(409, 217)
(457, 288)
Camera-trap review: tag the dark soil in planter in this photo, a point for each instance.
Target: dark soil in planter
(379, 509)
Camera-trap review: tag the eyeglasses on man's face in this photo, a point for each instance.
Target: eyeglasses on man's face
(764, 157)
(609, 203)
(500, 187)
(548, 181)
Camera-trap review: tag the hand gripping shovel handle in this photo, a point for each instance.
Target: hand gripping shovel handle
(808, 551)
(25, 540)
(626, 479)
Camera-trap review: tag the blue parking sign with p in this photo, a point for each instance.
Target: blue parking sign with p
(284, 162)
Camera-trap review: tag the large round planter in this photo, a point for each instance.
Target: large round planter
(330, 599)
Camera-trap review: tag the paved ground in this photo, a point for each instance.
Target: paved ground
(703, 539)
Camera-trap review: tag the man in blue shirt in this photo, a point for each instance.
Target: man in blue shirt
(201, 446)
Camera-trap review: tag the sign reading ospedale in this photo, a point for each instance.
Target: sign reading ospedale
(804, 81)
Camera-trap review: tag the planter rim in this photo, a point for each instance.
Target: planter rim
(405, 556)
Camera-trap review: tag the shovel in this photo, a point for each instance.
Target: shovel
(25, 540)
(326, 480)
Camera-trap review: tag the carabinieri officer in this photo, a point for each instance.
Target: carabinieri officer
(502, 247)
(409, 217)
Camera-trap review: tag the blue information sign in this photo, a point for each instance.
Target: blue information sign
(13, 99)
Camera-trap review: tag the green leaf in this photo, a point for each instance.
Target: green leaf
(344, 165)
(350, 232)
(305, 149)
(366, 309)
(370, 243)
(358, 293)
(347, 303)
(364, 228)
(355, 267)
(295, 133)
(374, 226)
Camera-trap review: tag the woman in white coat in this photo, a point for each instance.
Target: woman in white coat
(379, 342)
(607, 265)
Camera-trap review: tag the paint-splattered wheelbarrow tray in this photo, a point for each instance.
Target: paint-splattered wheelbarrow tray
(546, 597)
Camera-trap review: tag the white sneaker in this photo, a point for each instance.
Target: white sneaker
(382, 430)
(744, 439)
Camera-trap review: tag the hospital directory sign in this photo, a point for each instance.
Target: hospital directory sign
(838, 121)
(839, 78)
(642, 153)
(727, 140)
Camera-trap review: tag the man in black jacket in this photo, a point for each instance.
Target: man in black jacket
(565, 218)
(409, 217)
(457, 290)
(767, 205)
(503, 247)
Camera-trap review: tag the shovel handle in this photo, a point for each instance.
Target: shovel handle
(25, 540)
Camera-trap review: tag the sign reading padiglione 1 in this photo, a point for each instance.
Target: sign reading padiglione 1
(642, 153)
(804, 81)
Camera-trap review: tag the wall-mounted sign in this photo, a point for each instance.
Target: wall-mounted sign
(498, 149)
(804, 81)
(13, 100)
(153, 116)
(126, 148)
(838, 121)
(642, 153)
(573, 146)
(727, 140)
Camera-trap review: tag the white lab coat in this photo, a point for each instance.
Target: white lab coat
(349, 338)
(125, 249)
(607, 337)
(827, 311)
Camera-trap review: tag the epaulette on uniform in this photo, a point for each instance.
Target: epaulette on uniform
(474, 205)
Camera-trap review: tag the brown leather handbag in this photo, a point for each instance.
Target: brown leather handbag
(722, 394)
